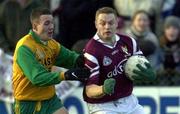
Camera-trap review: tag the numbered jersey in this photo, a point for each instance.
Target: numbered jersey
(32, 62)
(106, 61)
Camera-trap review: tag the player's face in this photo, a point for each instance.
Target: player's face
(45, 27)
(106, 25)
(141, 22)
(171, 33)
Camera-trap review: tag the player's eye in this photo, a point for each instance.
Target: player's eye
(111, 22)
(47, 23)
(102, 23)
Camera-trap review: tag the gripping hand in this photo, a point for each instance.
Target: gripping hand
(146, 74)
(80, 74)
(108, 86)
(80, 61)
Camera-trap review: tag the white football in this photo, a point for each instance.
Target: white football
(131, 63)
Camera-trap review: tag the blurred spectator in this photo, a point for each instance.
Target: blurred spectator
(126, 8)
(80, 45)
(170, 47)
(5, 74)
(76, 19)
(14, 21)
(147, 40)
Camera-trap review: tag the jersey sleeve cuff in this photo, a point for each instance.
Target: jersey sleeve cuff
(62, 77)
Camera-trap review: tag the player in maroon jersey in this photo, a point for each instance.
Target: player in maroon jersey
(108, 90)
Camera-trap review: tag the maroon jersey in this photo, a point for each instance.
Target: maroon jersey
(106, 61)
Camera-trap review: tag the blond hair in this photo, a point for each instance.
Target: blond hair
(105, 10)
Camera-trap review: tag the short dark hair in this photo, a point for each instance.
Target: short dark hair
(106, 10)
(37, 12)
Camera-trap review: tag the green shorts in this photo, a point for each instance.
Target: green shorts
(38, 107)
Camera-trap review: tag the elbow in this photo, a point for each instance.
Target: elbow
(36, 82)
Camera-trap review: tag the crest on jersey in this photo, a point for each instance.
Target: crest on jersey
(106, 61)
(124, 49)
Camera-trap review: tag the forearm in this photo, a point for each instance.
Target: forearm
(66, 58)
(47, 79)
(94, 91)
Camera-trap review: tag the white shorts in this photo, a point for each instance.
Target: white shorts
(126, 105)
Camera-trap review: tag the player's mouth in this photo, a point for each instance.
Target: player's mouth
(50, 33)
(108, 33)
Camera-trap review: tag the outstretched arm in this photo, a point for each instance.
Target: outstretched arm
(40, 76)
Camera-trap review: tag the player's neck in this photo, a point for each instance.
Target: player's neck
(110, 41)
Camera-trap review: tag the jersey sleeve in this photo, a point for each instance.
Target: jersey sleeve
(33, 70)
(91, 63)
(66, 58)
(136, 48)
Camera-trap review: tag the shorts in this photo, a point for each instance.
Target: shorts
(126, 105)
(37, 107)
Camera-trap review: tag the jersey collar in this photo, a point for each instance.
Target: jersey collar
(37, 38)
(97, 38)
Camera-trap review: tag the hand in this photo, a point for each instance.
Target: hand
(80, 74)
(108, 86)
(146, 74)
(80, 61)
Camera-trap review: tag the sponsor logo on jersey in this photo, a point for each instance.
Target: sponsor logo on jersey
(118, 69)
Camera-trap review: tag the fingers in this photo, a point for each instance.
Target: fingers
(112, 81)
(112, 85)
(86, 72)
(77, 74)
(109, 85)
(138, 72)
(80, 61)
(141, 68)
(135, 77)
(148, 65)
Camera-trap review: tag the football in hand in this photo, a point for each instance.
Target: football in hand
(131, 63)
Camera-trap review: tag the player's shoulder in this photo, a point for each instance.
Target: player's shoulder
(93, 46)
(126, 39)
(27, 40)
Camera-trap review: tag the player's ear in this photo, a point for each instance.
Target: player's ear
(95, 23)
(116, 22)
(34, 26)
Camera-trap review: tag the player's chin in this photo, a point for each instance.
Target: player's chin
(49, 36)
(107, 36)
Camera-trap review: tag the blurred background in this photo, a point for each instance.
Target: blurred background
(154, 24)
